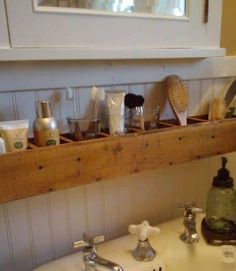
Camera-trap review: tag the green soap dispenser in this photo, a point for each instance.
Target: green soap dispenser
(219, 224)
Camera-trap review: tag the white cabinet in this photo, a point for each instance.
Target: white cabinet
(73, 33)
(4, 40)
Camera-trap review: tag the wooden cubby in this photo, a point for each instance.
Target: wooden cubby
(41, 170)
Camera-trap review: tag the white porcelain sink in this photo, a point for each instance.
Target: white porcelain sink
(172, 253)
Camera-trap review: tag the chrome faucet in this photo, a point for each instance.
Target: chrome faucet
(190, 234)
(91, 259)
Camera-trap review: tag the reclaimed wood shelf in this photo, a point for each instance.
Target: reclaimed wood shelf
(41, 170)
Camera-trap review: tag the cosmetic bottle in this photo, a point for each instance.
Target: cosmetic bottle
(46, 132)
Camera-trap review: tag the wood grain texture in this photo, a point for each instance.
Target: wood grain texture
(43, 170)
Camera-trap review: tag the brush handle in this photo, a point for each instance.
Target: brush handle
(182, 117)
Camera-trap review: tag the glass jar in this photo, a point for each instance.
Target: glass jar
(221, 203)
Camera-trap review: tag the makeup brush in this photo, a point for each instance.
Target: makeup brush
(130, 100)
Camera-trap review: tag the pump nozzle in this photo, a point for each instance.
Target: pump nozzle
(224, 161)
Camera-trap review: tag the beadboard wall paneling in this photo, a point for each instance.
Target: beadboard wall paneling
(6, 259)
(39, 229)
(77, 213)
(95, 200)
(206, 94)
(21, 242)
(25, 110)
(7, 108)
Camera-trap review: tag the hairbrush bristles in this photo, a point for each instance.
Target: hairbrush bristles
(178, 97)
(177, 93)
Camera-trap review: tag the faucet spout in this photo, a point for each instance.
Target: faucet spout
(93, 260)
(190, 234)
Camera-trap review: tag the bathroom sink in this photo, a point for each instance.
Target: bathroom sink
(172, 253)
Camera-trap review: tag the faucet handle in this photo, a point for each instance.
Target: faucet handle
(143, 251)
(88, 241)
(190, 209)
(143, 230)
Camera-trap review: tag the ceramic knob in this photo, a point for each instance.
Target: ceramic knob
(143, 230)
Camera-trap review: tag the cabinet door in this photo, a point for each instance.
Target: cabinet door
(32, 25)
(4, 41)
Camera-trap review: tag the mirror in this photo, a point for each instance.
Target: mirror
(152, 7)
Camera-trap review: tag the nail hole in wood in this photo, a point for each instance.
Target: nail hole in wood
(50, 189)
(40, 167)
(135, 170)
(98, 179)
(180, 138)
(118, 148)
(212, 136)
(78, 159)
(170, 163)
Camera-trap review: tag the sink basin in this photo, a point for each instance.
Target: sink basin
(172, 253)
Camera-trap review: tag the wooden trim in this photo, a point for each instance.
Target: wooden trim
(42, 170)
(29, 54)
(4, 38)
(61, 74)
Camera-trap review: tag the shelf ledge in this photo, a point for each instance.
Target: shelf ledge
(34, 54)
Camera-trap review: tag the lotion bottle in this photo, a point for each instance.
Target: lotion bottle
(46, 132)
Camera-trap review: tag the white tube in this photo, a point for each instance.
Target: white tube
(116, 111)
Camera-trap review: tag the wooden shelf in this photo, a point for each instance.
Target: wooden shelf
(42, 170)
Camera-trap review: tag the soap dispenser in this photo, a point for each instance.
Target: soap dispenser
(219, 224)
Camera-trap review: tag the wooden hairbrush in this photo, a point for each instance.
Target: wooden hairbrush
(178, 97)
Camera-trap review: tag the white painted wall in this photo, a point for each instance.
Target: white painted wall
(42, 228)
